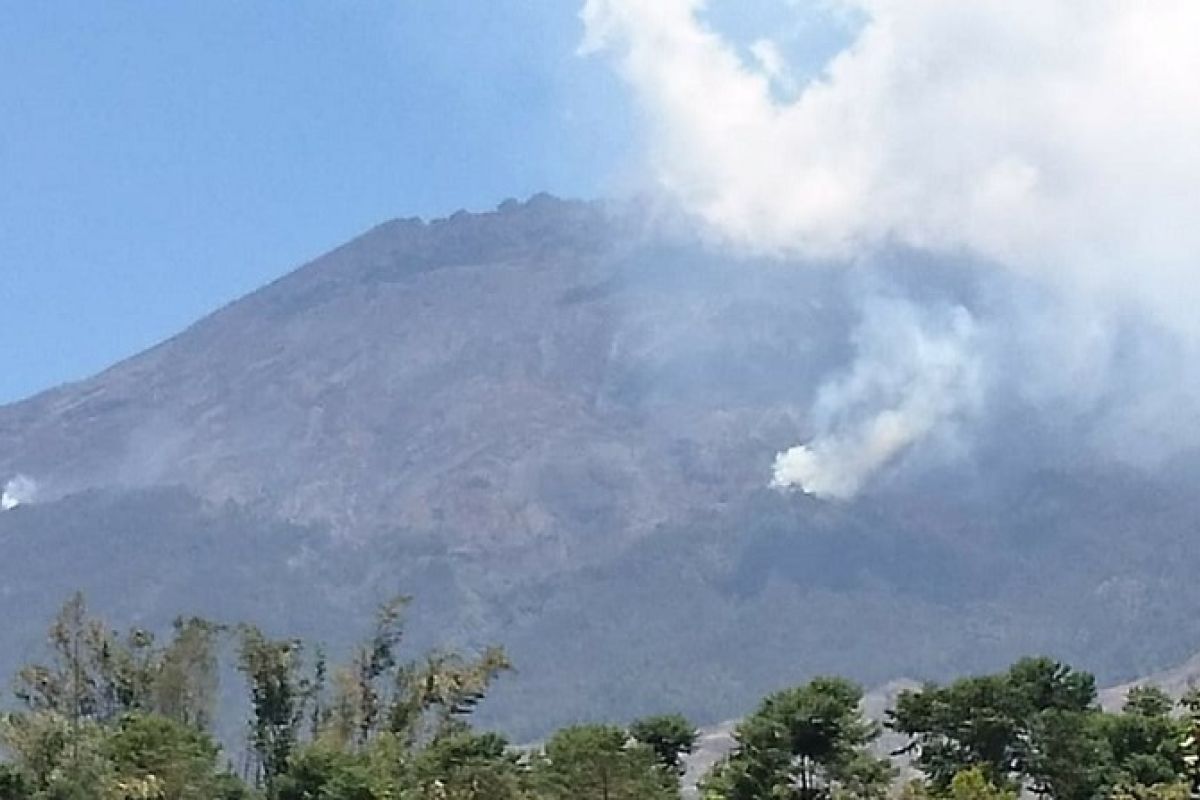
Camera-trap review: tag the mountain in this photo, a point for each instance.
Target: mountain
(554, 425)
(1176, 681)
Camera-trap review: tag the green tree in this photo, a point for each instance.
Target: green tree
(1160, 791)
(13, 785)
(95, 673)
(807, 742)
(468, 766)
(1145, 741)
(186, 680)
(279, 696)
(1022, 725)
(973, 784)
(1067, 756)
(112, 716)
(601, 762)
(435, 696)
(367, 684)
(66, 684)
(670, 736)
(180, 760)
(1148, 701)
(55, 756)
(417, 701)
(320, 772)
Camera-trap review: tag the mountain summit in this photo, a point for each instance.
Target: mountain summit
(554, 423)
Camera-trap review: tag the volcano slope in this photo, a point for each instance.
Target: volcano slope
(554, 425)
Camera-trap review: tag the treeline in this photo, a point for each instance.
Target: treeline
(124, 716)
(1036, 728)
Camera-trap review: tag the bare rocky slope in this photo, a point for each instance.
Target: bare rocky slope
(554, 425)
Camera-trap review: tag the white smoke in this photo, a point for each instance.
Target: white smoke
(1058, 140)
(914, 372)
(18, 491)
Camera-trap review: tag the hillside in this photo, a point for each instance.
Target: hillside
(554, 424)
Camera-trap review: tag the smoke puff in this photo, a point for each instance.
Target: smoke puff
(18, 491)
(915, 371)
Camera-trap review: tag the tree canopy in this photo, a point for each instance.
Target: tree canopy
(128, 715)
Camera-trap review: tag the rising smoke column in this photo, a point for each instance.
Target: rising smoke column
(916, 371)
(18, 491)
(1056, 141)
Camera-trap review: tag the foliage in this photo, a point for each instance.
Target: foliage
(601, 762)
(186, 678)
(1159, 791)
(670, 736)
(120, 716)
(807, 742)
(179, 760)
(12, 784)
(53, 755)
(973, 784)
(469, 766)
(1014, 726)
(1145, 741)
(326, 773)
(279, 696)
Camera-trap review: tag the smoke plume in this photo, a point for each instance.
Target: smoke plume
(18, 491)
(1055, 141)
(915, 372)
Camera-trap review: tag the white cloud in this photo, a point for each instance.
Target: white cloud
(1060, 140)
(773, 65)
(1057, 138)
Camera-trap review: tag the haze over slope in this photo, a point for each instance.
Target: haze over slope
(470, 378)
(556, 424)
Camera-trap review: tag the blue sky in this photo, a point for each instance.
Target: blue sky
(161, 159)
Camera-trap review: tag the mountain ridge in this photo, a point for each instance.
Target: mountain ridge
(554, 423)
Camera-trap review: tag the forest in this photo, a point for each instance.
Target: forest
(131, 715)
